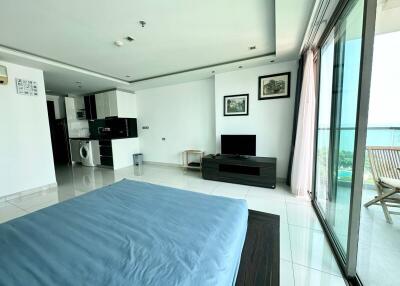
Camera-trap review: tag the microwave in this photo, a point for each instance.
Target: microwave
(81, 114)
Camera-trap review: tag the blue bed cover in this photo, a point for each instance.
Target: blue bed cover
(128, 233)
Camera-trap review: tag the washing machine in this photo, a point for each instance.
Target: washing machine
(89, 151)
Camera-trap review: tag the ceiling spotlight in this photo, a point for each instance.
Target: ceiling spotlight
(129, 39)
(118, 43)
(252, 48)
(142, 23)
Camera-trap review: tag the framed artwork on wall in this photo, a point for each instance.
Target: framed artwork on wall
(236, 105)
(274, 86)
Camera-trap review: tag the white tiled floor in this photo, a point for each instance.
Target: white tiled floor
(306, 258)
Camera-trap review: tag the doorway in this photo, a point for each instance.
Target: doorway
(59, 136)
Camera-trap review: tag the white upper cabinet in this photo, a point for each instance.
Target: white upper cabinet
(70, 108)
(115, 103)
(106, 104)
(126, 104)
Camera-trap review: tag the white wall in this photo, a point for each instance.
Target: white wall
(270, 120)
(25, 146)
(59, 105)
(183, 114)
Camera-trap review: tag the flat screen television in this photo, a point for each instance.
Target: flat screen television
(243, 145)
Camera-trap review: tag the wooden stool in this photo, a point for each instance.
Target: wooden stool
(192, 164)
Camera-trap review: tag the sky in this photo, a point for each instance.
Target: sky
(384, 105)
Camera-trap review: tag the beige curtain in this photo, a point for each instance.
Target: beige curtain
(304, 145)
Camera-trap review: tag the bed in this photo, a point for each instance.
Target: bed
(128, 233)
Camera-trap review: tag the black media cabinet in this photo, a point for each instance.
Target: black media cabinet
(255, 171)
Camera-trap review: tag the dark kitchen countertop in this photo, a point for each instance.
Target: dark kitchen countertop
(88, 138)
(82, 138)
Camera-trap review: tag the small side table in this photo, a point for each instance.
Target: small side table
(187, 157)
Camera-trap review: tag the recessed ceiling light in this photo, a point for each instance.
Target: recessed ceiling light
(240, 67)
(252, 47)
(118, 43)
(129, 39)
(272, 61)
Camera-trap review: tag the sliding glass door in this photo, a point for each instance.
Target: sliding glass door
(338, 97)
(339, 136)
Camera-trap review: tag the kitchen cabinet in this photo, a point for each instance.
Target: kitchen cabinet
(74, 149)
(118, 153)
(126, 104)
(70, 109)
(115, 103)
(106, 104)
(90, 107)
(76, 126)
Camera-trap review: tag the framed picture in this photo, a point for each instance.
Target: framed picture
(236, 105)
(274, 86)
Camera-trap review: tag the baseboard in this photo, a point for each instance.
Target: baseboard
(163, 164)
(27, 192)
(281, 180)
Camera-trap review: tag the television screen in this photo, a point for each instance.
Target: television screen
(238, 145)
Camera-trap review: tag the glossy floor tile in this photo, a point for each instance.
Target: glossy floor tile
(310, 248)
(286, 276)
(304, 252)
(285, 247)
(9, 211)
(269, 206)
(302, 215)
(305, 276)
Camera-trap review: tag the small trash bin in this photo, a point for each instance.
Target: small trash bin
(137, 163)
(138, 159)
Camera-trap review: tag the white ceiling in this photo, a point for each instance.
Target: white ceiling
(73, 40)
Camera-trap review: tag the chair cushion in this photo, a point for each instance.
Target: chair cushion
(390, 182)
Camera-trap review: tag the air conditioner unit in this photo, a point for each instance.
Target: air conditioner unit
(3, 75)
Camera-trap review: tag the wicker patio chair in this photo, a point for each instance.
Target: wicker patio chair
(385, 167)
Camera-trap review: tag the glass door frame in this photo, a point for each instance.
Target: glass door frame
(348, 262)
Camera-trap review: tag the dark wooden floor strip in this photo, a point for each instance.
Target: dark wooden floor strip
(259, 264)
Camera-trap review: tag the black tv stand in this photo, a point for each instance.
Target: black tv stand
(252, 170)
(238, 156)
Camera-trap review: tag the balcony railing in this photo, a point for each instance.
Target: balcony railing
(376, 136)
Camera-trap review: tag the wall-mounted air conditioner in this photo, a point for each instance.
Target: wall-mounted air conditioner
(3, 75)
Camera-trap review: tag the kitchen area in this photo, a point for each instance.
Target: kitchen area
(102, 128)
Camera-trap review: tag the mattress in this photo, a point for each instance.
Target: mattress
(128, 233)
